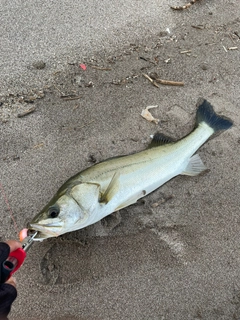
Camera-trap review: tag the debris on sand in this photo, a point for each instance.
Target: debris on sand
(153, 78)
(69, 97)
(27, 112)
(186, 6)
(39, 65)
(148, 116)
(83, 66)
(232, 48)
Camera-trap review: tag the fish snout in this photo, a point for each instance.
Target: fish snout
(46, 230)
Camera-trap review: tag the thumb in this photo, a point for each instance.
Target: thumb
(12, 281)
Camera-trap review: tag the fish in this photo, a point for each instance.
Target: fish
(116, 183)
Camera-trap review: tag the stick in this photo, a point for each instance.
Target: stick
(27, 112)
(151, 80)
(101, 68)
(38, 145)
(186, 51)
(170, 83)
(201, 27)
(232, 48)
(62, 94)
(224, 48)
(154, 76)
(66, 98)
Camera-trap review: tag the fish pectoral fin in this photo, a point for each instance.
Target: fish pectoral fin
(195, 166)
(131, 200)
(112, 188)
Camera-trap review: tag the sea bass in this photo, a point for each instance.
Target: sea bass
(119, 182)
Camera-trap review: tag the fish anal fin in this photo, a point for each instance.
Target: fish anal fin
(112, 188)
(160, 139)
(194, 167)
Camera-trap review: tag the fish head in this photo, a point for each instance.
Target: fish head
(59, 216)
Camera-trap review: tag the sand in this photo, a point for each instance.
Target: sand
(173, 255)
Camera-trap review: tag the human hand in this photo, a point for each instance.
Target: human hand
(5, 249)
(14, 245)
(8, 292)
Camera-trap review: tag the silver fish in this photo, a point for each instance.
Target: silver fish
(119, 182)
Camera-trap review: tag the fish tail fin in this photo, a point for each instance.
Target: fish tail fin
(206, 113)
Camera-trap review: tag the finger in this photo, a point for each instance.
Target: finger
(23, 234)
(12, 281)
(14, 245)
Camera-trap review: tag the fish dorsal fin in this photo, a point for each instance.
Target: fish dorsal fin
(112, 188)
(160, 139)
(194, 167)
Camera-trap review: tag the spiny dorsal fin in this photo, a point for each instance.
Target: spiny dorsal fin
(160, 139)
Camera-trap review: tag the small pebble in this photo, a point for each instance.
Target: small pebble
(39, 65)
(204, 66)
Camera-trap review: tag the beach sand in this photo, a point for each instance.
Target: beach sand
(176, 253)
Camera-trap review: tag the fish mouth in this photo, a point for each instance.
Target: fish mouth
(47, 225)
(45, 230)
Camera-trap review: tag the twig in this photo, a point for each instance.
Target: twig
(101, 68)
(224, 48)
(236, 34)
(56, 72)
(154, 80)
(230, 36)
(27, 112)
(210, 43)
(38, 145)
(67, 98)
(151, 80)
(154, 76)
(170, 83)
(148, 60)
(201, 27)
(62, 94)
(186, 51)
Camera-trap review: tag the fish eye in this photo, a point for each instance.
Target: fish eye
(54, 211)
